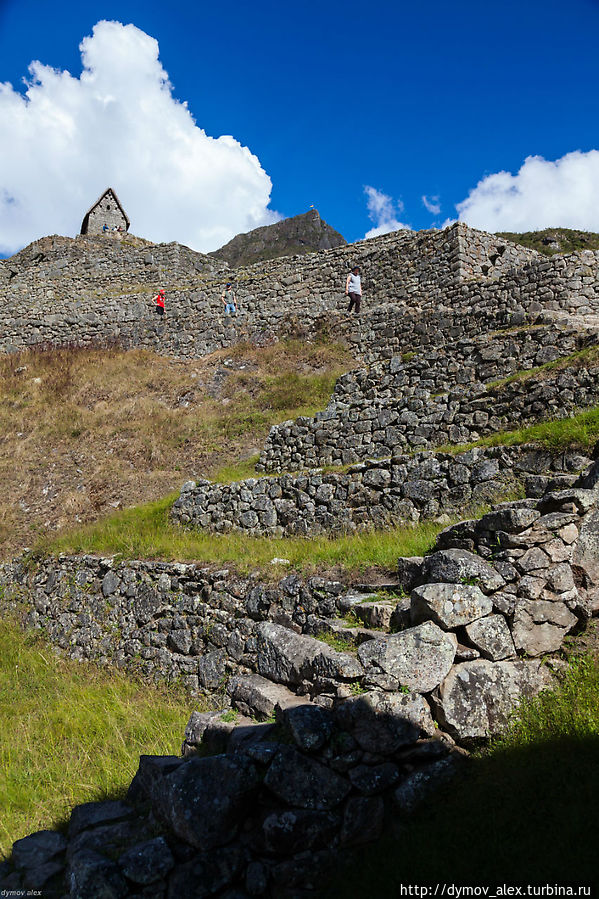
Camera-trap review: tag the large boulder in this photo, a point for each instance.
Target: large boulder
(540, 626)
(511, 519)
(458, 566)
(204, 800)
(449, 605)
(382, 723)
(418, 658)
(290, 658)
(476, 698)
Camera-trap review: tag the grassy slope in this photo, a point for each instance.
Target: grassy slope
(523, 812)
(83, 432)
(581, 431)
(145, 532)
(569, 241)
(71, 733)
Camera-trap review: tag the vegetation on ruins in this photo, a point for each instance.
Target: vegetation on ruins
(96, 444)
(554, 240)
(145, 532)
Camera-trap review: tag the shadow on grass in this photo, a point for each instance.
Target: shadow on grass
(518, 816)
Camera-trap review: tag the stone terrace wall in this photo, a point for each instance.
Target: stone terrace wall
(482, 254)
(371, 494)
(95, 289)
(334, 743)
(170, 620)
(437, 396)
(419, 288)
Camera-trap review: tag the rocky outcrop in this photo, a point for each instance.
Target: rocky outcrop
(305, 233)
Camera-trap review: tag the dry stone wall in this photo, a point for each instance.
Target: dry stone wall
(327, 745)
(95, 289)
(420, 288)
(375, 493)
(437, 396)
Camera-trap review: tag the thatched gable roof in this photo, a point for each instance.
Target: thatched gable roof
(109, 190)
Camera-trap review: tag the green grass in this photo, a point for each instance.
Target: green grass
(589, 355)
(522, 812)
(237, 471)
(340, 644)
(71, 733)
(144, 532)
(568, 239)
(579, 432)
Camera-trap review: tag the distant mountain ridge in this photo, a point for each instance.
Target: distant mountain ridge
(305, 233)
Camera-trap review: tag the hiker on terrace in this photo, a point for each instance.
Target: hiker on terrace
(353, 289)
(229, 300)
(159, 300)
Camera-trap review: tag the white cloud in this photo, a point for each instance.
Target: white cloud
(432, 204)
(382, 210)
(543, 194)
(118, 125)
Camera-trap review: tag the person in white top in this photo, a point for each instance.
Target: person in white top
(353, 289)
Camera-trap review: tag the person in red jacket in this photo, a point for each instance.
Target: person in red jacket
(159, 300)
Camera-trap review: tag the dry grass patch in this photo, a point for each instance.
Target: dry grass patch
(84, 431)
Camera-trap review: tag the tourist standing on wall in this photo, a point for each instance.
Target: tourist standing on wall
(353, 289)
(159, 300)
(229, 300)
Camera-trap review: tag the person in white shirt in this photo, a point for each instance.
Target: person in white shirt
(353, 289)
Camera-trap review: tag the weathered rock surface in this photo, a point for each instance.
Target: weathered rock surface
(288, 658)
(449, 605)
(492, 637)
(418, 658)
(457, 566)
(540, 626)
(477, 698)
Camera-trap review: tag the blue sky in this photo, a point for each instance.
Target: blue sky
(409, 100)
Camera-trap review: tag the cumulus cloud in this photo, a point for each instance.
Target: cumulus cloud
(66, 139)
(543, 194)
(383, 212)
(431, 204)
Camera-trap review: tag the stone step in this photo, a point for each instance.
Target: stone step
(372, 609)
(339, 627)
(258, 697)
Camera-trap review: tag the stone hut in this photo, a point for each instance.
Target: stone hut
(107, 210)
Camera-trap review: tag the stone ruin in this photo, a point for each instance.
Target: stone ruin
(337, 707)
(106, 213)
